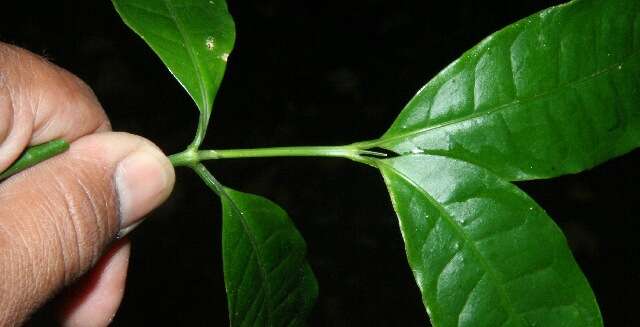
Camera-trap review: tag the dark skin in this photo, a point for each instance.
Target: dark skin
(63, 222)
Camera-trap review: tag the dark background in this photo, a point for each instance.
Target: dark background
(310, 73)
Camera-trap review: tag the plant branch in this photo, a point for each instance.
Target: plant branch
(192, 157)
(203, 122)
(35, 155)
(208, 179)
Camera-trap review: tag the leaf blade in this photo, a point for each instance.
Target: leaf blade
(193, 38)
(528, 103)
(267, 277)
(482, 252)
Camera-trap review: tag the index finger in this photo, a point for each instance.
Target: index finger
(40, 102)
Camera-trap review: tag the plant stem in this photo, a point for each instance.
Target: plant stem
(303, 151)
(188, 157)
(35, 155)
(203, 122)
(191, 157)
(208, 179)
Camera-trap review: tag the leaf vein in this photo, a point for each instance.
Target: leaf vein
(507, 106)
(259, 257)
(194, 61)
(468, 298)
(146, 9)
(493, 275)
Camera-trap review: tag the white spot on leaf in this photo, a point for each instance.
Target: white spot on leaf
(210, 43)
(224, 57)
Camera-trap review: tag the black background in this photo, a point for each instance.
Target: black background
(310, 73)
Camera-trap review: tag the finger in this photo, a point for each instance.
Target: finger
(95, 298)
(57, 218)
(40, 102)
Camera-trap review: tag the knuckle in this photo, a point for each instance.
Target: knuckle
(14, 123)
(71, 95)
(6, 111)
(47, 92)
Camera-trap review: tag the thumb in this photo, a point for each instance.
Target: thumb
(57, 218)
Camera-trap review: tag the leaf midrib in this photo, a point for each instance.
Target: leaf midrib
(192, 56)
(256, 250)
(504, 298)
(384, 141)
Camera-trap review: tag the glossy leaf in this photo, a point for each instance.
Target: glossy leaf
(268, 280)
(192, 37)
(552, 94)
(482, 252)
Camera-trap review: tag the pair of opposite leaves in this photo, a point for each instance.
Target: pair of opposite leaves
(555, 93)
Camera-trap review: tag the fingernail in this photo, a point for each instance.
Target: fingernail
(143, 180)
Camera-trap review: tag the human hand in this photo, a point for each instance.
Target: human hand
(61, 219)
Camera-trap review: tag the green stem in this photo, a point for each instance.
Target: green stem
(208, 179)
(191, 157)
(35, 155)
(188, 158)
(203, 122)
(303, 151)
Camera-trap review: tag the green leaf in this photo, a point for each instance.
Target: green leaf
(482, 252)
(268, 280)
(552, 94)
(192, 37)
